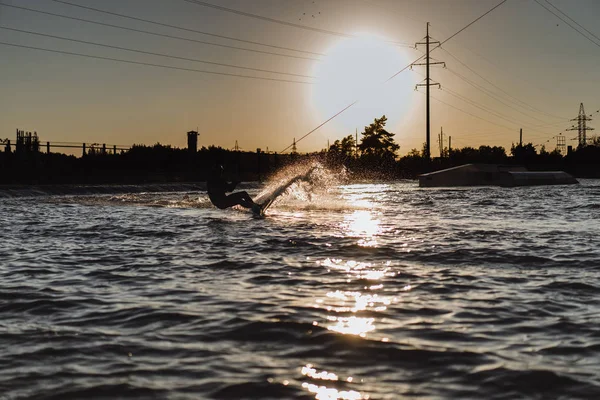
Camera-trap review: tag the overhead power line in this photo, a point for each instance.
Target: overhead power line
(152, 53)
(475, 134)
(493, 64)
(471, 114)
(184, 29)
(568, 23)
(151, 64)
(273, 20)
(576, 23)
(479, 106)
(474, 21)
(157, 34)
(262, 18)
(318, 127)
(402, 70)
(499, 88)
(491, 95)
(544, 135)
(490, 111)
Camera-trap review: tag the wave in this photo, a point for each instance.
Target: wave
(58, 190)
(538, 383)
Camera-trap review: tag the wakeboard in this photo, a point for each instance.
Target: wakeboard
(260, 209)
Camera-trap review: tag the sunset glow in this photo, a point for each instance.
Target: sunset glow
(356, 69)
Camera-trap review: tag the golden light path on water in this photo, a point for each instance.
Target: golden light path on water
(352, 301)
(363, 223)
(346, 309)
(322, 392)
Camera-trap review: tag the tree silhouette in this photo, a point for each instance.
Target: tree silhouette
(523, 153)
(342, 152)
(348, 146)
(376, 142)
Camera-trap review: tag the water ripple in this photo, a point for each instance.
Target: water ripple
(370, 291)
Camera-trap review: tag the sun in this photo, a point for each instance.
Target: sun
(356, 69)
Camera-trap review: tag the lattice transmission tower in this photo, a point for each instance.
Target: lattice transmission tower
(561, 144)
(582, 128)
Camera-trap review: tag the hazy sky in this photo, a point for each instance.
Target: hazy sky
(519, 67)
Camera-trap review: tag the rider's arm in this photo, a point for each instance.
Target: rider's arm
(230, 187)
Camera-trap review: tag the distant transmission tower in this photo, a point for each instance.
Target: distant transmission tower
(428, 82)
(294, 146)
(561, 144)
(582, 127)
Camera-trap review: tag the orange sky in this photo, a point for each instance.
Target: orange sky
(520, 66)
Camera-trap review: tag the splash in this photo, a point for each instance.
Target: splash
(309, 183)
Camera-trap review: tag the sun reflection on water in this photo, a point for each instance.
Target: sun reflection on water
(356, 301)
(361, 301)
(364, 225)
(353, 311)
(311, 372)
(323, 392)
(359, 270)
(352, 325)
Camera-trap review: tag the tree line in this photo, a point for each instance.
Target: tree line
(373, 156)
(140, 164)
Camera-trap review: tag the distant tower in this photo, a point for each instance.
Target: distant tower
(521, 137)
(441, 142)
(294, 150)
(192, 137)
(561, 144)
(581, 127)
(27, 142)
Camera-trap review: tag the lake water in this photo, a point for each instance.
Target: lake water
(356, 291)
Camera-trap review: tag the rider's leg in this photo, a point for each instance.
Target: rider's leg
(239, 198)
(247, 198)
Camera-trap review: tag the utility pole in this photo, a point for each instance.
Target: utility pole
(428, 42)
(441, 141)
(449, 145)
(581, 127)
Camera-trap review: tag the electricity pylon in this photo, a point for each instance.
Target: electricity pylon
(428, 82)
(561, 144)
(581, 127)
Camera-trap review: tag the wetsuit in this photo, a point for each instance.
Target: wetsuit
(217, 186)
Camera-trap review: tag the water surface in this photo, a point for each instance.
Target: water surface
(363, 291)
